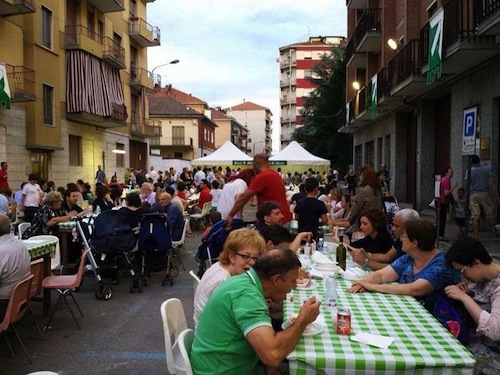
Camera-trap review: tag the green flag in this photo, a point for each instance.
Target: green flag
(4, 88)
(435, 47)
(373, 97)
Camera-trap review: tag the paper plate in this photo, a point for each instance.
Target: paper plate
(310, 285)
(313, 328)
(304, 284)
(326, 266)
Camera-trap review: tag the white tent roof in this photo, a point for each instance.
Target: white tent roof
(225, 154)
(295, 154)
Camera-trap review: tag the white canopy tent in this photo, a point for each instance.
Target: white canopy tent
(227, 154)
(295, 154)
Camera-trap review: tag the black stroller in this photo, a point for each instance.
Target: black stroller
(155, 245)
(112, 241)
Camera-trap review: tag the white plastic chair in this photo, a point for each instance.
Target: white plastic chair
(185, 343)
(181, 244)
(205, 211)
(174, 322)
(55, 263)
(196, 280)
(21, 228)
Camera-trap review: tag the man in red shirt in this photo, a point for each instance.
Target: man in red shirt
(267, 185)
(204, 193)
(3, 175)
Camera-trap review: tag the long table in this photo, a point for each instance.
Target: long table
(43, 249)
(421, 344)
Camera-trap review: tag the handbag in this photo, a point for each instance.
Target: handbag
(453, 315)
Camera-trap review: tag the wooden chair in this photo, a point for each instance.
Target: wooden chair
(186, 338)
(64, 285)
(174, 322)
(16, 309)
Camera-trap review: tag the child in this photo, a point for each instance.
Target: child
(459, 209)
(215, 193)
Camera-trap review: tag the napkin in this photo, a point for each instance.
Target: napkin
(354, 273)
(321, 258)
(382, 342)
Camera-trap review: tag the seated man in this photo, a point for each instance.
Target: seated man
(71, 196)
(268, 213)
(147, 194)
(421, 272)
(14, 263)
(175, 218)
(244, 333)
(277, 237)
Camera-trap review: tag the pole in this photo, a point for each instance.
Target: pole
(467, 196)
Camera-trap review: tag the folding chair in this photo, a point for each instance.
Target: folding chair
(196, 280)
(186, 338)
(174, 322)
(181, 244)
(201, 216)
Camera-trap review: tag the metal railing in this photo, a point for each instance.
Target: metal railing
(146, 127)
(368, 23)
(73, 35)
(139, 26)
(407, 63)
(22, 82)
(119, 112)
(458, 23)
(483, 10)
(114, 49)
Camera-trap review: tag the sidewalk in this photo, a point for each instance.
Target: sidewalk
(491, 244)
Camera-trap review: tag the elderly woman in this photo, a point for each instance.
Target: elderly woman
(241, 249)
(377, 238)
(421, 272)
(481, 299)
(47, 218)
(368, 197)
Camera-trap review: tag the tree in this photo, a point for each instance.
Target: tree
(319, 133)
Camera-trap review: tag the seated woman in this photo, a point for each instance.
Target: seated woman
(421, 272)
(241, 249)
(47, 217)
(103, 200)
(341, 217)
(481, 299)
(377, 238)
(133, 209)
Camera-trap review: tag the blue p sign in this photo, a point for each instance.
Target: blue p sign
(469, 124)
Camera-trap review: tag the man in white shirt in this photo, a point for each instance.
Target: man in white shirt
(153, 174)
(199, 175)
(32, 197)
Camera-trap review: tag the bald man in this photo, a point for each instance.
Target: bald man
(175, 218)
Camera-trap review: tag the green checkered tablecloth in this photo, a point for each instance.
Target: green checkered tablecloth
(421, 344)
(67, 225)
(37, 248)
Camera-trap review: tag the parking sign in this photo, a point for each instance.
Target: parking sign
(469, 131)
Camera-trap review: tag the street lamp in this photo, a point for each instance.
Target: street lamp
(158, 81)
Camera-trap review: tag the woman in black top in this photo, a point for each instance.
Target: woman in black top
(103, 200)
(377, 238)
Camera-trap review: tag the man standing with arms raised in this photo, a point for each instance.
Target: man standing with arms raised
(267, 185)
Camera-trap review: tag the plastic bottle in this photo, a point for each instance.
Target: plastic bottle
(98, 210)
(331, 290)
(321, 245)
(90, 210)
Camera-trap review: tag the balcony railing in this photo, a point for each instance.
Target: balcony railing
(140, 77)
(383, 85)
(114, 53)
(173, 142)
(22, 83)
(287, 62)
(368, 24)
(288, 82)
(143, 33)
(119, 112)
(407, 63)
(81, 37)
(145, 127)
(459, 23)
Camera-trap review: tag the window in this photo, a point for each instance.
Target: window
(46, 27)
(178, 155)
(387, 150)
(307, 55)
(75, 150)
(370, 153)
(358, 156)
(380, 150)
(120, 158)
(178, 135)
(48, 105)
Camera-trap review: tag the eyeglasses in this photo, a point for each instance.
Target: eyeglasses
(247, 257)
(463, 269)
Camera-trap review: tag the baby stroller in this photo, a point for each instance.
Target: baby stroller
(213, 243)
(155, 245)
(111, 241)
(391, 206)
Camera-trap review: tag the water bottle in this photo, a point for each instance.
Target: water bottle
(98, 210)
(321, 245)
(90, 210)
(331, 290)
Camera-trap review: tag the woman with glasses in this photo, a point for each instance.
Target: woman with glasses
(421, 272)
(241, 250)
(469, 257)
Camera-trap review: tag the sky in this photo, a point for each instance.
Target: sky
(228, 48)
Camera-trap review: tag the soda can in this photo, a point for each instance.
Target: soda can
(343, 321)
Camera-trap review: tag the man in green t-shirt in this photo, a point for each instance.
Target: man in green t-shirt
(235, 331)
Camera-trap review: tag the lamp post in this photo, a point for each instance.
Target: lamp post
(176, 61)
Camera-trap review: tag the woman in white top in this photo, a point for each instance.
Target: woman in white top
(215, 193)
(241, 249)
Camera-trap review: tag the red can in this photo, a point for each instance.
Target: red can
(343, 321)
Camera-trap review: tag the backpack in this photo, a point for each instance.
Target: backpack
(112, 233)
(215, 239)
(154, 233)
(453, 316)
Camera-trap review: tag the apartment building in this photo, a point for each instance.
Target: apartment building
(296, 64)
(257, 119)
(78, 79)
(229, 130)
(420, 75)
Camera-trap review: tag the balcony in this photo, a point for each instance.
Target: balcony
(22, 83)
(487, 14)
(405, 70)
(145, 127)
(116, 119)
(108, 6)
(463, 47)
(15, 7)
(368, 34)
(356, 4)
(354, 59)
(288, 82)
(82, 38)
(143, 33)
(141, 78)
(114, 53)
(286, 63)
(180, 143)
